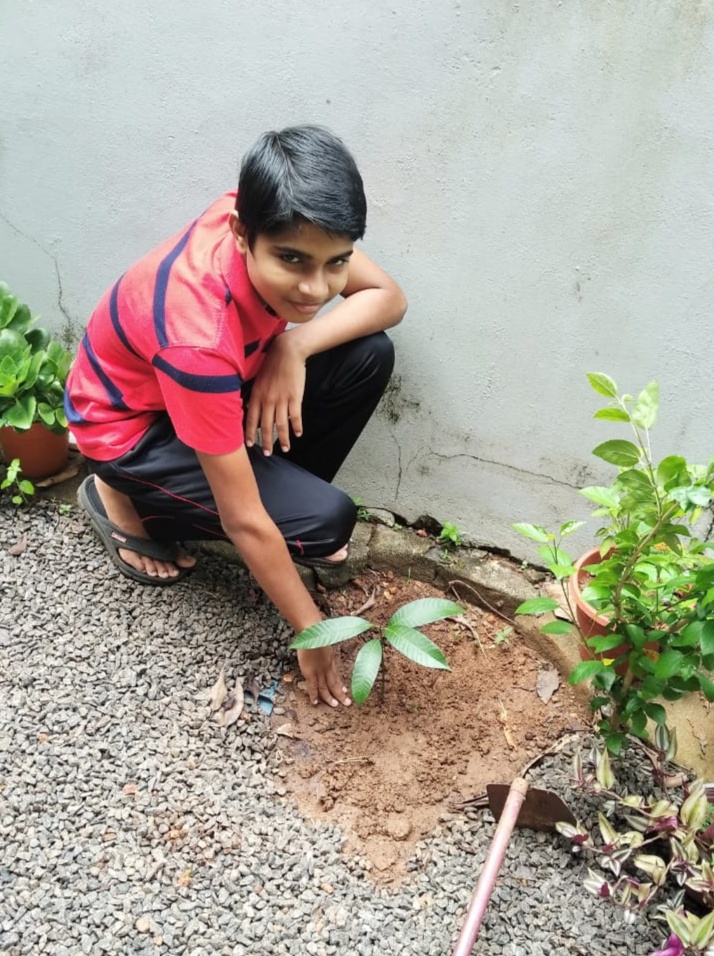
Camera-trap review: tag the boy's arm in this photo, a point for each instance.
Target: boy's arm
(372, 302)
(257, 538)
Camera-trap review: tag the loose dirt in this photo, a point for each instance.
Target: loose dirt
(386, 771)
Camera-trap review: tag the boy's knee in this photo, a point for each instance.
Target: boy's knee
(341, 518)
(376, 357)
(383, 351)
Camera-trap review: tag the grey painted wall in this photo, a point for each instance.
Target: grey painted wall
(540, 180)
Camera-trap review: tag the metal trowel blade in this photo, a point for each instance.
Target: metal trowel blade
(541, 809)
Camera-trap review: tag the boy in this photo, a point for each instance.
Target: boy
(187, 358)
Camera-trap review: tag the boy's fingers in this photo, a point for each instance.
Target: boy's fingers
(267, 424)
(336, 687)
(282, 424)
(295, 411)
(251, 425)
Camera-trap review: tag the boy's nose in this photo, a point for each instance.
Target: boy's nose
(315, 287)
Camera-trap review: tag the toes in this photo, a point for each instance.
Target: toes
(157, 569)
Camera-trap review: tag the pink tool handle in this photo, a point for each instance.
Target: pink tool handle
(496, 853)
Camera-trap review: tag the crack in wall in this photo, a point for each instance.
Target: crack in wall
(68, 333)
(502, 464)
(399, 465)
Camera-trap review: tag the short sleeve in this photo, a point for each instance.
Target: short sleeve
(202, 394)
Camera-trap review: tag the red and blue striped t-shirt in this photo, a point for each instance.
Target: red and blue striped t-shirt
(180, 332)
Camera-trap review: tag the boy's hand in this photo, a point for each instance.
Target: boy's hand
(276, 398)
(323, 680)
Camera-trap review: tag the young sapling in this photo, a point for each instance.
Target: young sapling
(450, 535)
(400, 633)
(21, 489)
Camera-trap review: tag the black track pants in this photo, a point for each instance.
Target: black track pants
(167, 485)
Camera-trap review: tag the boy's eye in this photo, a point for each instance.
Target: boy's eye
(289, 258)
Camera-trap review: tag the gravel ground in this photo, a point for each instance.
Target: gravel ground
(130, 824)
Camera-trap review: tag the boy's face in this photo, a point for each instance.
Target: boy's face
(296, 271)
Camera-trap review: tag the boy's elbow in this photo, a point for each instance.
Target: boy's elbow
(399, 305)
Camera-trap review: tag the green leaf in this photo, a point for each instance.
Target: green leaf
(679, 926)
(584, 670)
(699, 495)
(702, 935)
(334, 630)
(425, 611)
(365, 671)
(601, 495)
(607, 642)
(706, 638)
(690, 635)
(602, 384)
(672, 468)
(706, 685)
(656, 712)
(22, 413)
(615, 742)
(639, 722)
(652, 686)
(644, 411)
(612, 414)
(46, 414)
(537, 606)
(415, 646)
(636, 635)
(618, 452)
(668, 664)
(561, 571)
(533, 531)
(570, 527)
(638, 482)
(557, 627)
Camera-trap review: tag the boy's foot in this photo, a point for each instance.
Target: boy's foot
(339, 557)
(160, 564)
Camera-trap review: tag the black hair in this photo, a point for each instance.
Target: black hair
(301, 173)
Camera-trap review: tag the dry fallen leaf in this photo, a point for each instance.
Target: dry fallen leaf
(185, 878)
(286, 730)
(20, 545)
(219, 691)
(547, 682)
(232, 706)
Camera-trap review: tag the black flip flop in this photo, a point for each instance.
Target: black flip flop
(114, 538)
(306, 562)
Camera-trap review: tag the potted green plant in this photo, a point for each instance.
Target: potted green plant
(643, 600)
(33, 372)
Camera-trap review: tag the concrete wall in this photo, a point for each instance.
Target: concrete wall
(540, 181)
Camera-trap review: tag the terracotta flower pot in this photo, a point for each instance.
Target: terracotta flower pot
(41, 452)
(590, 622)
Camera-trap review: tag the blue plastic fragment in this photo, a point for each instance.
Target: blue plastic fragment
(266, 698)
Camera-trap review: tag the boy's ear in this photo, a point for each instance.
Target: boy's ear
(239, 233)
